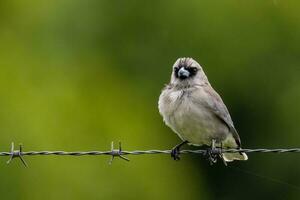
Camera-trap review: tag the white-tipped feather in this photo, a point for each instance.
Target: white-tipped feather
(229, 157)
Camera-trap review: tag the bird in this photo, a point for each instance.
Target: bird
(196, 113)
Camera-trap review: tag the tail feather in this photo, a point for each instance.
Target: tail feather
(229, 157)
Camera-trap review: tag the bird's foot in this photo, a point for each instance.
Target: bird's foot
(175, 152)
(213, 153)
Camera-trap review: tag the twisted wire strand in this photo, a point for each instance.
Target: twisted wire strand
(118, 152)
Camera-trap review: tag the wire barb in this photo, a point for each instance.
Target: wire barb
(16, 154)
(117, 153)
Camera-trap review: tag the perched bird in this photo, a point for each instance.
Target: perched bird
(195, 111)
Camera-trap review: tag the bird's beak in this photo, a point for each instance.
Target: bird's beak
(183, 73)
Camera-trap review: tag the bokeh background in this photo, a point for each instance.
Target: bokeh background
(76, 75)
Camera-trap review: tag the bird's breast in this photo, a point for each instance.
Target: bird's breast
(191, 120)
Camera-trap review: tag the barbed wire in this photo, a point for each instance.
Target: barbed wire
(121, 154)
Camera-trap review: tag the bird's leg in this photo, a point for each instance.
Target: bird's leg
(176, 150)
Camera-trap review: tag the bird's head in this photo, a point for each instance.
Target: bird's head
(187, 71)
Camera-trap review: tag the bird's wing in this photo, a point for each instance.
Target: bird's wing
(215, 103)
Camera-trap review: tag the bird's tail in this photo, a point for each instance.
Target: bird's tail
(229, 157)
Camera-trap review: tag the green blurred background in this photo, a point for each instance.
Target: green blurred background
(76, 75)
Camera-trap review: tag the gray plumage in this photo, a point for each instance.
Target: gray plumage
(195, 111)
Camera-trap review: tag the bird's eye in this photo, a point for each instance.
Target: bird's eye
(194, 69)
(176, 69)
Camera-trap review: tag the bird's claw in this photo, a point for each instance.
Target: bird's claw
(214, 153)
(175, 153)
